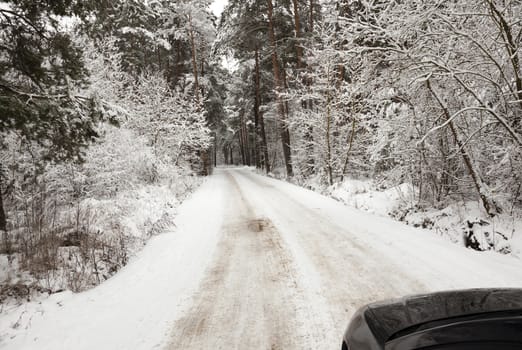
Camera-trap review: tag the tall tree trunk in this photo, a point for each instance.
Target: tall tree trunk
(246, 142)
(241, 143)
(264, 146)
(257, 134)
(285, 133)
(490, 207)
(225, 154)
(194, 61)
(309, 104)
(244, 139)
(256, 149)
(348, 151)
(297, 27)
(3, 221)
(205, 153)
(310, 150)
(3, 216)
(285, 87)
(214, 151)
(328, 137)
(266, 158)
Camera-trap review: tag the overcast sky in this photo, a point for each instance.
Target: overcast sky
(218, 6)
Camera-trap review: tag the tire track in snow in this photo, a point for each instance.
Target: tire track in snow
(350, 272)
(250, 298)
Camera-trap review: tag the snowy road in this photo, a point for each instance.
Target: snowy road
(254, 263)
(291, 267)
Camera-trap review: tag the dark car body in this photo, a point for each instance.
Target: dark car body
(476, 319)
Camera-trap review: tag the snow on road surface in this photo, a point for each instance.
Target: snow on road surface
(255, 263)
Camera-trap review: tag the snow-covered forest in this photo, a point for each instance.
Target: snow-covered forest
(113, 112)
(407, 108)
(107, 110)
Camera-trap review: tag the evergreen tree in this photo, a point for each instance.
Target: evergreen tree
(41, 76)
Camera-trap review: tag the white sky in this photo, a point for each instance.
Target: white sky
(218, 6)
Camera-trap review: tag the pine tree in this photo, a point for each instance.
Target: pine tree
(41, 75)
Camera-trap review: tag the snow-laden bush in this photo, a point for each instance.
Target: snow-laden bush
(74, 224)
(463, 223)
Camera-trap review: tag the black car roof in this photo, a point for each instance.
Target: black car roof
(387, 318)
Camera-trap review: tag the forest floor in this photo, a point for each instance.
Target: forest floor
(254, 263)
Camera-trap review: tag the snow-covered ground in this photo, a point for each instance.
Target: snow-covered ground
(463, 223)
(254, 263)
(135, 308)
(120, 225)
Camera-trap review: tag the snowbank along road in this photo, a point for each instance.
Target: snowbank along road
(257, 263)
